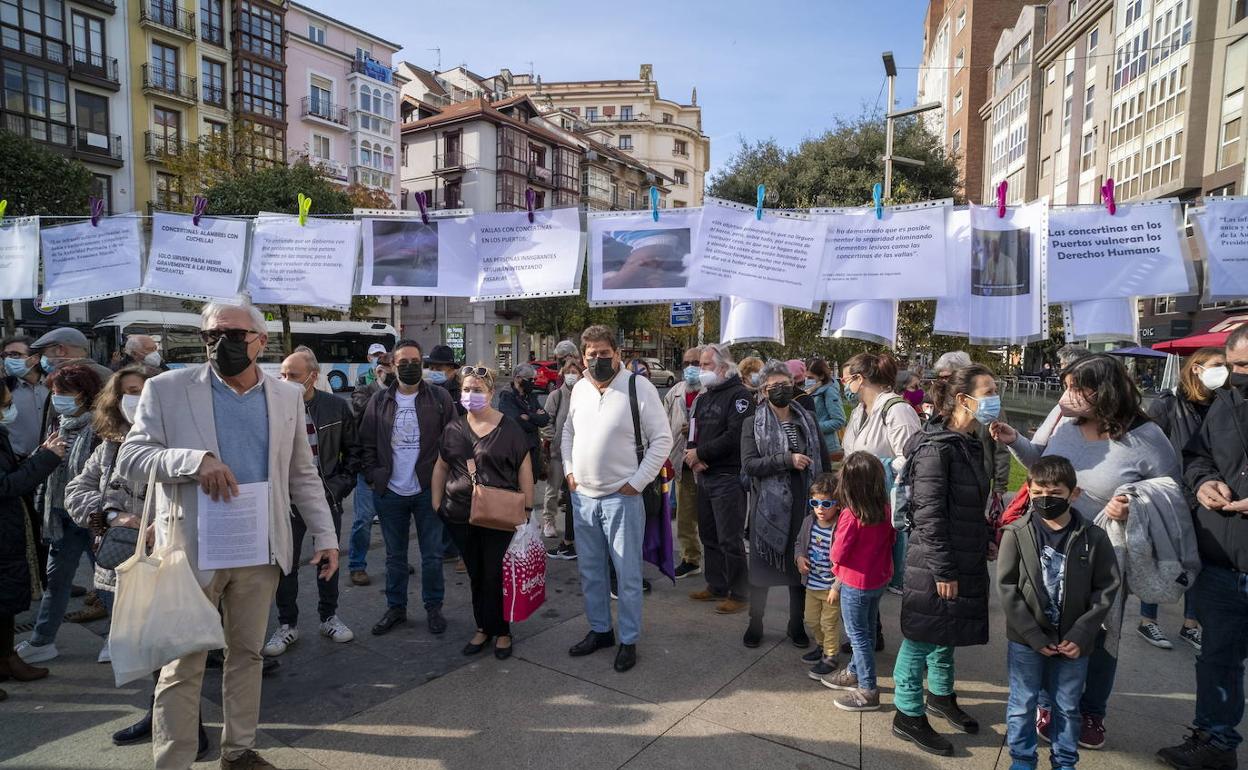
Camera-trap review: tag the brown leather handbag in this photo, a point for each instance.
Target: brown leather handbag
(495, 507)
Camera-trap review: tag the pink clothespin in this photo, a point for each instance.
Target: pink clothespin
(198, 209)
(422, 203)
(530, 198)
(1107, 195)
(1001, 188)
(97, 210)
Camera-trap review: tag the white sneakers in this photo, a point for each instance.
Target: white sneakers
(282, 638)
(31, 654)
(335, 630)
(548, 530)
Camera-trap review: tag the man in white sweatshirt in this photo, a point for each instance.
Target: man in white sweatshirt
(605, 478)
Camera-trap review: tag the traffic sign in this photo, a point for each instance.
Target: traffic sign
(682, 314)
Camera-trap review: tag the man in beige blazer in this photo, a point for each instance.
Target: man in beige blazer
(211, 428)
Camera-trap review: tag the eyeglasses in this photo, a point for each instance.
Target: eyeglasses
(824, 504)
(14, 354)
(213, 336)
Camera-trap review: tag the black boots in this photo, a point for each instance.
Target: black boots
(141, 731)
(946, 707)
(918, 731)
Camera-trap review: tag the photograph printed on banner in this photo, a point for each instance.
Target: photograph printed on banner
(646, 258)
(405, 253)
(1000, 262)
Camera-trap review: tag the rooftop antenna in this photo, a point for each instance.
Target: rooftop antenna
(438, 51)
(531, 71)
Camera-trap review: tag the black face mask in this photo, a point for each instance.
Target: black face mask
(526, 386)
(410, 373)
(229, 358)
(602, 369)
(1050, 506)
(780, 396)
(1238, 380)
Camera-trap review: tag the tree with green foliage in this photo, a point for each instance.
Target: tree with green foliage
(37, 181)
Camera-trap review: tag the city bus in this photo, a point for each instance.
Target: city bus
(341, 347)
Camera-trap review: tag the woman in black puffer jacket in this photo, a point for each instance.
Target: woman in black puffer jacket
(945, 599)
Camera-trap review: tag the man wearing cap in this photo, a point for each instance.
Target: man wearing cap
(656, 261)
(375, 352)
(519, 402)
(441, 369)
(65, 346)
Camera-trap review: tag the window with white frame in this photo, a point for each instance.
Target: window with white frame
(1089, 102)
(1094, 38)
(1230, 143)
(957, 102)
(959, 61)
(961, 19)
(1087, 157)
(1164, 305)
(316, 33)
(956, 144)
(321, 147)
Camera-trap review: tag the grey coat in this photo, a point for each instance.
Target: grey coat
(100, 488)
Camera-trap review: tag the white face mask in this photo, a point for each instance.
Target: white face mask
(571, 379)
(129, 405)
(152, 359)
(8, 415)
(1214, 377)
(709, 379)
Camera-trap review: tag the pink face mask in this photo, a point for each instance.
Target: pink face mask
(473, 402)
(1073, 404)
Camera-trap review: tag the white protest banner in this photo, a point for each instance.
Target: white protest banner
(196, 262)
(901, 256)
(293, 264)
(19, 258)
(1223, 233)
(775, 259)
(1104, 320)
(406, 257)
(1134, 252)
(748, 320)
(1007, 302)
(636, 260)
(518, 258)
(83, 262)
(870, 320)
(953, 311)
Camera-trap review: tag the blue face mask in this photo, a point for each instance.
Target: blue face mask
(988, 410)
(8, 415)
(16, 367)
(47, 364)
(64, 405)
(691, 375)
(437, 378)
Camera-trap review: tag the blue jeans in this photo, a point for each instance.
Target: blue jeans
(899, 559)
(63, 558)
(1189, 608)
(1221, 598)
(1099, 682)
(396, 512)
(361, 527)
(1029, 672)
(859, 611)
(610, 530)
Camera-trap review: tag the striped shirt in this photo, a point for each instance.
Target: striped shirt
(819, 554)
(791, 432)
(310, 424)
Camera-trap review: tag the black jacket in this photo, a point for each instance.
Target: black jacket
(18, 480)
(361, 396)
(717, 417)
(1218, 453)
(1180, 420)
(337, 443)
(517, 407)
(434, 412)
(948, 495)
(1089, 587)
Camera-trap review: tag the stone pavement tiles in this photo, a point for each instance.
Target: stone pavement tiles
(698, 697)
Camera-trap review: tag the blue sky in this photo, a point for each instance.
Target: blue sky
(779, 69)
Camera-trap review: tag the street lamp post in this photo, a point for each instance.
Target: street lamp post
(890, 69)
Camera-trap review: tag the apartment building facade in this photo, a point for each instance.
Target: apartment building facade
(342, 101)
(660, 133)
(1011, 114)
(65, 86)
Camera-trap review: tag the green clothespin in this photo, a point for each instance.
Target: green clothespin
(4, 206)
(305, 205)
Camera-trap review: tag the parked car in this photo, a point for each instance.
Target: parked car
(548, 378)
(660, 375)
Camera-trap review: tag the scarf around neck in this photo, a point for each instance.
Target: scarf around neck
(773, 495)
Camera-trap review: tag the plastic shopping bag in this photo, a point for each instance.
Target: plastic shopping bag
(160, 613)
(524, 573)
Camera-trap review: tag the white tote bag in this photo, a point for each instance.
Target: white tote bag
(161, 613)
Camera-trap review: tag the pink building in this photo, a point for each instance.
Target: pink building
(342, 100)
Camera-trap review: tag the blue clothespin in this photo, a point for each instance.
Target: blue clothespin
(97, 210)
(877, 194)
(654, 202)
(758, 207)
(199, 207)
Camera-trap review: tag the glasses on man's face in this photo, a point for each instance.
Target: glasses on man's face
(213, 336)
(824, 504)
(14, 354)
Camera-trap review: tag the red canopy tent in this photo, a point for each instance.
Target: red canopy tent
(1214, 337)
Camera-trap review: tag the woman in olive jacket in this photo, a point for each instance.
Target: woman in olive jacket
(945, 599)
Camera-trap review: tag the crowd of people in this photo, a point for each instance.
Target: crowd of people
(839, 486)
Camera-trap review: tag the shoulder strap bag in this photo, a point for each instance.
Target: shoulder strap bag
(652, 495)
(494, 507)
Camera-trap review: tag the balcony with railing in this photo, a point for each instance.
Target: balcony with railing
(167, 17)
(95, 68)
(680, 153)
(98, 148)
(211, 33)
(333, 169)
(323, 111)
(106, 6)
(447, 199)
(540, 174)
(214, 96)
(373, 69)
(452, 162)
(158, 80)
(157, 147)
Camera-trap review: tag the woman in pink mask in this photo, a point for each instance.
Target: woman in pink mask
(499, 449)
(1106, 435)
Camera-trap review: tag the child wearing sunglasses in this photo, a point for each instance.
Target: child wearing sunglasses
(862, 562)
(813, 554)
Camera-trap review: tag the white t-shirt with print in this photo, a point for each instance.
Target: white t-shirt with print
(405, 441)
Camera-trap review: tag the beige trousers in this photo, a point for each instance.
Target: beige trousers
(687, 518)
(244, 595)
